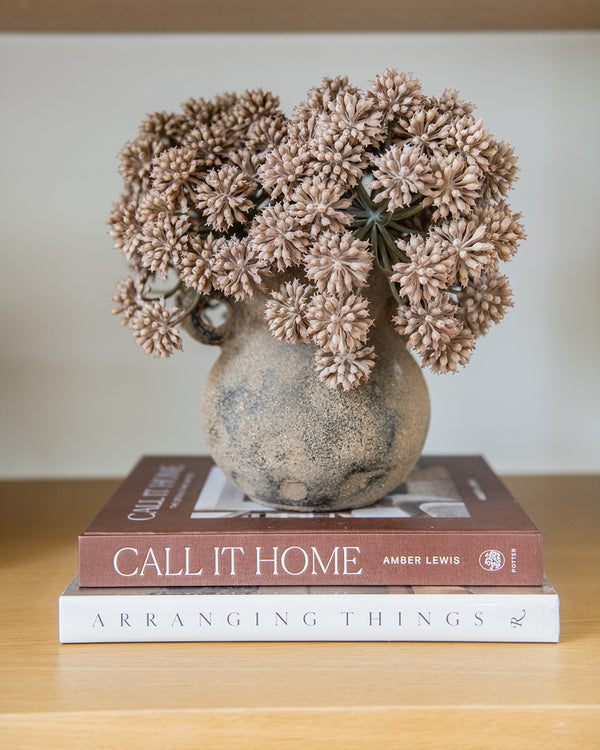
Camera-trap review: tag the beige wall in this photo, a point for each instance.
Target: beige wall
(78, 397)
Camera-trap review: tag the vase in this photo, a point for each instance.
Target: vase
(291, 442)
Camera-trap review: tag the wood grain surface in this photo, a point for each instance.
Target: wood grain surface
(294, 16)
(280, 695)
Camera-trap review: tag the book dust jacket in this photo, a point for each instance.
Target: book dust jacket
(178, 521)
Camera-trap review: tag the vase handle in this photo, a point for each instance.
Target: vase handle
(211, 320)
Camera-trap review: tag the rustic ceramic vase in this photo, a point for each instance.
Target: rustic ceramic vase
(289, 441)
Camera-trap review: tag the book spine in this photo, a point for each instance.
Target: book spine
(270, 559)
(288, 617)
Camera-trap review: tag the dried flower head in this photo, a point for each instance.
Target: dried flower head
(485, 302)
(503, 228)
(136, 161)
(163, 238)
(454, 187)
(211, 142)
(125, 229)
(338, 325)
(338, 263)
(278, 237)
(397, 95)
(450, 102)
(401, 173)
(152, 207)
(174, 176)
(255, 105)
(501, 173)
(429, 325)
(266, 133)
(429, 129)
(345, 369)
(355, 192)
(319, 97)
(467, 244)
(471, 139)
(284, 167)
(128, 299)
(198, 111)
(451, 355)
(355, 117)
(428, 272)
(335, 158)
(320, 205)
(225, 197)
(285, 311)
(164, 127)
(195, 265)
(155, 329)
(238, 270)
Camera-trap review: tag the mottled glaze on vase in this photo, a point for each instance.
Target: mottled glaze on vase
(289, 441)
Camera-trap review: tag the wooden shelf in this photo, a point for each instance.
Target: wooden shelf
(276, 695)
(293, 16)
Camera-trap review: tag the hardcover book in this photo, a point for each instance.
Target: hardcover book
(178, 521)
(309, 613)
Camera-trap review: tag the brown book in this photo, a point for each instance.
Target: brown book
(177, 521)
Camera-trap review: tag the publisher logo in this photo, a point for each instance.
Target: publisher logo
(492, 559)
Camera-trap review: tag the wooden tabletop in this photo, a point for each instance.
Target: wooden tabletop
(280, 695)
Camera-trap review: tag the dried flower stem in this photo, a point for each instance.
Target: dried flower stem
(406, 213)
(162, 295)
(187, 310)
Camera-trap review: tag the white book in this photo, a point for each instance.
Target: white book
(309, 613)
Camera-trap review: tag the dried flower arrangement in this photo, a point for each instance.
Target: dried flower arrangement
(231, 196)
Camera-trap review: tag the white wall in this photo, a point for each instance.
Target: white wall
(78, 397)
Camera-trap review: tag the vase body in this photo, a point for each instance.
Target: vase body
(291, 442)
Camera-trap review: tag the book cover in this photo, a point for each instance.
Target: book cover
(177, 521)
(309, 613)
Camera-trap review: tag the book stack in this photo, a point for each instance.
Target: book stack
(180, 554)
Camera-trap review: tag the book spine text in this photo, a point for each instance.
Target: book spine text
(285, 617)
(271, 559)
